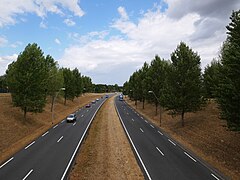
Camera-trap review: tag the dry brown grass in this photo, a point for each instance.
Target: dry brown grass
(106, 153)
(204, 134)
(15, 132)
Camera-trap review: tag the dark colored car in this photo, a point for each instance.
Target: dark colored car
(106, 96)
(88, 106)
(71, 118)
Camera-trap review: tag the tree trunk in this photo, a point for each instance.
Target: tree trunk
(143, 103)
(182, 118)
(156, 105)
(52, 103)
(65, 99)
(25, 113)
(136, 104)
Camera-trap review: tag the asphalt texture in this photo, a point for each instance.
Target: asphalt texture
(51, 155)
(159, 156)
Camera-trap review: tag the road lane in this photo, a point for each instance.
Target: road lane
(160, 155)
(50, 155)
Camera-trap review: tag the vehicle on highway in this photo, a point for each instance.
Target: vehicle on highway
(106, 96)
(97, 99)
(88, 106)
(93, 102)
(71, 118)
(120, 97)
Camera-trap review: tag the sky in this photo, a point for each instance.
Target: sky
(109, 40)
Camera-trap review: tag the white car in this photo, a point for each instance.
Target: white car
(71, 118)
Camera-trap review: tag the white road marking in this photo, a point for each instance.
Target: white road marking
(87, 110)
(160, 133)
(215, 177)
(141, 129)
(6, 162)
(63, 121)
(55, 126)
(29, 145)
(82, 115)
(190, 157)
(127, 113)
(25, 177)
(152, 126)
(59, 139)
(160, 151)
(45, 134)
(74, 124)
(171, 142)
(141, 117)
(132, 119)
(146, 121)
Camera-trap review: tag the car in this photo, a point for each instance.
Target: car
(106, 96)
(97, 99)
(93, 102)
(71, 118)
(88, 106)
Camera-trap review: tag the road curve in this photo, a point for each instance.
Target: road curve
(159, 156)
(50, 156)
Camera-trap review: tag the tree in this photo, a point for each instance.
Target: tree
(87, 84)
(55, 78)
(184, 81)
(27, 79)
(144, 84)
(69, 79)
(229, 86)
(78, 82)
(3, 84)
(211, 79)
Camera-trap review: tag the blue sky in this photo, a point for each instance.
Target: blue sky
(109, 40)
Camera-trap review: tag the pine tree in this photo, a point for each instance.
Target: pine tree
(229, 88)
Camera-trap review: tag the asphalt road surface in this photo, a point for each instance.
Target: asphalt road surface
(159, 156)
(50, 156)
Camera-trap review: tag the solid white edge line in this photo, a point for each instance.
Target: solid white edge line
(139, 157)
(152, 126)
(29, 145)
(215, 176)
(190, 157)
(141, 129)
(25, 177)
(79, 143)
(171, 142)
(160, 151)
(6, 162)
(160, 133)
(63, 121)
(45, 133)
(55, 126)
(59, 139)
(146, 121)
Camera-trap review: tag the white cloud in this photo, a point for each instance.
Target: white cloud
(69, 22)
(39, 7)
(16, 44)
(156, 32)
(5, 61)
(43, 25)
(57, 41)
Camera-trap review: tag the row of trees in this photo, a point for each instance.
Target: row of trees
(33, 77)
(180, 86)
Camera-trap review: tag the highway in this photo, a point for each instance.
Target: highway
(51, 155)
(159, 156)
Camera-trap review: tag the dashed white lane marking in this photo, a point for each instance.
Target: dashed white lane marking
(160, 133)
(87, 110)
(74, 124)
(146, 121)
(141, 117)
(215, 177)
(45, 134)
(190, 157)
(152, 126)
(6, 162)
(132, 119)
(63, 121)
(160, 151)
(25, 177)
(127, 113)
(59, 139)
(82, 115)
(55, 126)
(29, 145)
(171, 142)
(141, 129)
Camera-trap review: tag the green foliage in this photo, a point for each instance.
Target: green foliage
(69, 86)
(87, 84)
(27, 79)
(229, 86)
(77, 82)
(3, 84)
(211, 79)
(184, 81)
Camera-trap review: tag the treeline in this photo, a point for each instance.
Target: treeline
(178, 85)
(104, 88)
(33, 77)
